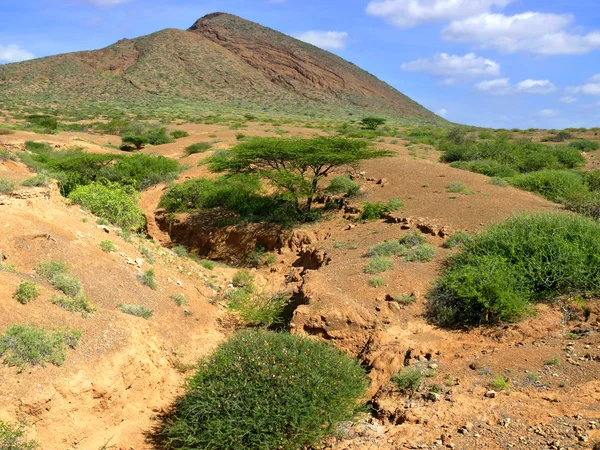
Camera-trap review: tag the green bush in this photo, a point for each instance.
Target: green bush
(80, 304)
(265, 390)
(404, 299)
(57, 274)
(6, 155)
(13, 437)
(178, 134)
(7, 186)
(555, 185)
(257, 310)
(388, 248)
(242, 278)
(179, 299)
(134, 139)
(117, 204)
(457, 239)
(37, 147)
(27, 292)
(501, 273)
(412, 239)
(379, 264)
(583, 145)
(199, 147)
(421, 253)
(148, 279)
(136, 310)
(23, 345)
(408, 381)
(457, 187)
(487, 167)
(342, 184)
(38, 180)
(108, 246)
(376, 282)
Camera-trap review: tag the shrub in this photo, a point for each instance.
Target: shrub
(421, 253)
(498, 182)
(147, 279)
(178, 134)
(240, 136)
(5, 131)
(583, 145)
(199, 147)
(6, 155)
(136, 310)
(457, 239)
(457, 187)
(112, 202)
(13, 437)
(487, 167)
(413, 239)
(179, 299)
(388, 248)
(242, 278)
(372, 211)
(394, 204)
(27, 292)
(37, 147)
(80, 303)
(7, 186)
(38, 180)
(342, 184)
(136, 140)
(379, 264)
(499, 274)
(408, 381)
(257, 309)
(57, 274)
(555, 185)
(404, 299)
(108, 246)
(376, 282)
(372, 123)
(499, 383)
(207, 264)
(265, 390)
(23, 345)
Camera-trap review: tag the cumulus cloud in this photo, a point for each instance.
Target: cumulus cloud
(412, 13)
(332, 40)
(532, 32)
(14, 53)
(592, 87)
(442, 112)
(595, 78)
(503, 86)
(548, 113)
(453, 67)
(568, 99)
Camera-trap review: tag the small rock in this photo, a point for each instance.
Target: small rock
(491, 394)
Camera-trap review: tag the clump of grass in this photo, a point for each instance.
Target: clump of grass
(499, 383)
(57, 273)
(6, 155)
(304, 388)
(148, 279)
(375, 211)
(27, 292)
(408, 381)
(108, 246)
(379, 264)
(376, 282)
(412, 240)
(179, 299)
(497, 181)
(457, 239)
(13, 436)
(199, 147)
(181, 251)
(38, 180)
(207, 264)
(146, 253)
(552, 362)
(257, 309)
(457, 187)
(136, 310)
(243, 279)
(7, 186)
(79, 304)
(404, 299)
(23, 345)
(388, 248)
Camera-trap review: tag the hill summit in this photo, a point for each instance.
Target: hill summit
(221, 62)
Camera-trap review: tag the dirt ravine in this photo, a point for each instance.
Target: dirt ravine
(127, 371)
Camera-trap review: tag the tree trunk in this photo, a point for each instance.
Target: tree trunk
(315, 183)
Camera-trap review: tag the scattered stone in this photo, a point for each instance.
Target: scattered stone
(491, 394)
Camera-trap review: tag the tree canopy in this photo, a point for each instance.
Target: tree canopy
(294, 165)
(372, 123)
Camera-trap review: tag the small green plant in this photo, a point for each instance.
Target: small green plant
(376, 282)
(148, 279)
(421, 253)
(497, 181)
(240, 136)
(108, 246)
(136, 310)
(552, 362)
(412, 239)
(404, 299)
(7, 186)
(343, 184)
(79, 304)
(457, 187)
(125, 235)
(178, 134)
(532, 378)
(379, 264)
(257, 309)
(146, 253)
(179, 299)
(23, 345)
(13, 437)
(339, 244)
(387, 248)
(207, 264)
(27, 292)
(394, 204)
(57, 273)
(457, 239)
(181, 251)
(408, 381)
(39, 180)
(499, 383)
(304, 389)
(102, 222)
(243, 279)
(199, 147)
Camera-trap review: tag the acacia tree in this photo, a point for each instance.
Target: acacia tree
(295, 165)
(372, 123)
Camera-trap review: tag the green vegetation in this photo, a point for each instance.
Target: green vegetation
(583, 145)
(375, 211)
(265, 390)
(552, 362)
(457, 239)
(140, 134)
(115, 203)
(179, 299)
(13, 437)
(148, 279)
(458, 188)
(7, 186)
(404, 299)
(499, 274)
(23, 345)
(27, 292)
(242, 278)
(199, 147)
(257, 309)
(499, 383)
(178, 134)
(136, 310)
(38, 180)
(411, 247)
(343, 184)
(379, 264)
(372, 123)
(108, 246)
(376, 282)
(79, 304)
(408, 381)
(6, 155)
(555, 185)
(57, 274)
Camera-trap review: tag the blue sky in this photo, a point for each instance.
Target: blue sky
(498, 63)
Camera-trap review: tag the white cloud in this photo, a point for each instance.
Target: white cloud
(595, 78)
(442, 112)
(567, 99)
(503, 86)
(548, 113)
(586, 89)
(532, 32)
(334, 40)
(14, 53)
(453, 67)
(412, 13)
(536, 87)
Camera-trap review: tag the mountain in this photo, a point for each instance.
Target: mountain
(221, 63)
